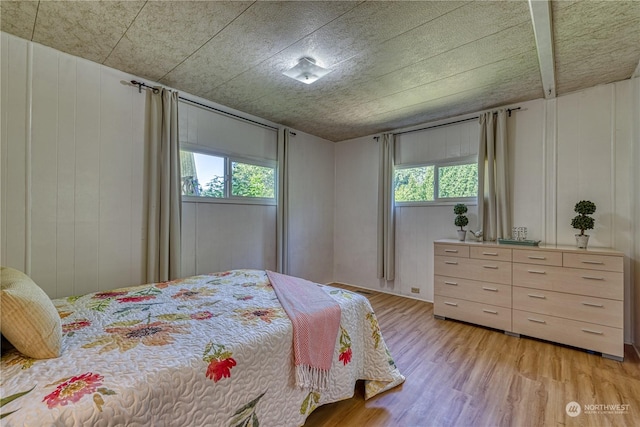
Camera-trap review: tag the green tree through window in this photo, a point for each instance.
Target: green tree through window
(458, 181)
(252, 180)
(214, 188)
(414, 184)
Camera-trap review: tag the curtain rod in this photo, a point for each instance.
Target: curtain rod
(509, 110)
(226, 113)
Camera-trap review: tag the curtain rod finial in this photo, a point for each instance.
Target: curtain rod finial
(139, 84)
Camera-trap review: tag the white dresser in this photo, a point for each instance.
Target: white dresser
(561, 294)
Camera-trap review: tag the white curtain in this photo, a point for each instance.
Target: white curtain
(494, 215)
(164, 199)
(282, 222)
(386, 210)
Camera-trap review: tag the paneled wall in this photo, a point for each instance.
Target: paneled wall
(72, 181)
(578, 146)
(218, 237)
(311, 207)
(13, 128)
(356, 207)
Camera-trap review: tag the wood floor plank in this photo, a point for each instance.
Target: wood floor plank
(463, 375)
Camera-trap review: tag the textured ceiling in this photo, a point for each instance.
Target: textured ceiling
(394, 63)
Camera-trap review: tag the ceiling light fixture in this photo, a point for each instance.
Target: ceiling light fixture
(306, 71)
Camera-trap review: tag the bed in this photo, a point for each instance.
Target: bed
(212, 350)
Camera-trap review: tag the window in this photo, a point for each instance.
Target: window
(450, 181)
(414, 184)
(210, 177)
(458, 181)
(202, 174)
(249, 180)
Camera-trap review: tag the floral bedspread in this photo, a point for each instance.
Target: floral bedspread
(212, 350)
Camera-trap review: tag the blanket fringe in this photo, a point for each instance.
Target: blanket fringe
(313, 378)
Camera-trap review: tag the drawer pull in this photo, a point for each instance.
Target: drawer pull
(486, 288)
(451, 283)
(451, 303)
(535, 320)
(537, 257)
(537, 296)
(590, 304)
(589, 331)
(537, 271)
(493, 267)
(592, 278)
(453, 251)
(490, 253)
(592, 262)
(451, 262)
(489, 311)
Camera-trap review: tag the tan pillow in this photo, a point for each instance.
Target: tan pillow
(28, 318)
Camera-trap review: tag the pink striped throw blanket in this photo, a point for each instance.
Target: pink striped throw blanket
(316, 320)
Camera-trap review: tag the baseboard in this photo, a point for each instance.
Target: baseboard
(636, 349)
(380, 290)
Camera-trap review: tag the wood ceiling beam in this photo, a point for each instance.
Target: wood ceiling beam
(541, 20)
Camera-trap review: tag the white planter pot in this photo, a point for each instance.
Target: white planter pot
(582, 240)
(462, 234)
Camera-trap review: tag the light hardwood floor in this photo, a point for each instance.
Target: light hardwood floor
(463, 375)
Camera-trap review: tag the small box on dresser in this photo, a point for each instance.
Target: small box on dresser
(560, 294)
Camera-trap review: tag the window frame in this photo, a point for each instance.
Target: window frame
(439, 201)
(230, 158)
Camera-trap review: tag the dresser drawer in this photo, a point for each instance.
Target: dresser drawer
(576, 307)
(490, 253)
(474, 269)
(593, 262)
(600, 284)
(474, 312)
(451, 250)
(537, 257)
(471, 290)
(578, 334)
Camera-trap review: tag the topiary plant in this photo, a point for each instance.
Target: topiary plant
(461, 220)
(582, 221)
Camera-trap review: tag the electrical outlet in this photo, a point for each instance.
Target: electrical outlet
(415, 290)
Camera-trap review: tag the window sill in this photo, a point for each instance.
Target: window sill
(229, 201)
(452, 202)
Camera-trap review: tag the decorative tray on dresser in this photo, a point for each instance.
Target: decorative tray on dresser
(556, 293)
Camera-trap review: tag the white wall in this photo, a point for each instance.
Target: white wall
(219, 237)
(83, 158)
(356, 207)
(577, 146)
(311, 207)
